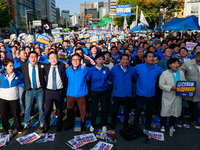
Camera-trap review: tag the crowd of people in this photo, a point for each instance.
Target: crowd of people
(136, 71)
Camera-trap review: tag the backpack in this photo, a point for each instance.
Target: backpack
(131, 133)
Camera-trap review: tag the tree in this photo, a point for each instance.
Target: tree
(151, 10)
(170, 7)
(4, 15)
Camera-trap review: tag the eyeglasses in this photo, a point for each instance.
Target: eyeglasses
(75, 59)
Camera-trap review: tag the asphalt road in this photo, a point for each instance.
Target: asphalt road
(187, 139)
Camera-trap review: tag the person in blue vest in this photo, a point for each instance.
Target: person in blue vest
(115, 57)
(76, 91)
(99, 74)
(146, 75)
(9, 96)
(18, 63)
(122, 76)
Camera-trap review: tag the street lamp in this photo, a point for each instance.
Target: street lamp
(26, 18)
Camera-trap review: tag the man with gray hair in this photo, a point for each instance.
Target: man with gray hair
(192, 73)
(139, 58)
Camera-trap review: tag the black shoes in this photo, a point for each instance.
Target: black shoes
(69, 126)
(45, 129)
(26, 127)
(59, 128)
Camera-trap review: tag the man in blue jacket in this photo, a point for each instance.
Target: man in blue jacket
(76, 91)
(146, 75)
(122, 75)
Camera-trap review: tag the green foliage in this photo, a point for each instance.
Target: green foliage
(151, 10)
(4, 14)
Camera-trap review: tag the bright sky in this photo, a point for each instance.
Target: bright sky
(72, 5)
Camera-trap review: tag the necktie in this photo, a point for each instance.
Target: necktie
(34, 78)
(54, 79)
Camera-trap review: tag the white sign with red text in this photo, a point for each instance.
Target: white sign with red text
(102, 146)
(28, 138)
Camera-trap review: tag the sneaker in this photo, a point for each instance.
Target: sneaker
(26, 127)
(133, 112)
(91, 129)
(104, 128)
(196, 124)
(10, 133)
(19, 132)
(180, 123)
(142, 112)
(41, 127)
(162, 129)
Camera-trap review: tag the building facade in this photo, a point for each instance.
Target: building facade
(112, 7)
(48, 10)
(58, 16)
(65, 18)
(22, 10)
(191, 7)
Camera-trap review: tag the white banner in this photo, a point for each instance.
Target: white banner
(155, 135)
(81, 140)
(28, 138)
(102, 146)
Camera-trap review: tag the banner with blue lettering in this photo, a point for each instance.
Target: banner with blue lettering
(102, 146)
(42, 40)
(6, 40)
(155, 135)
(67, 38)
(58, 40)
(186, 88)
(29, 39)
(108, 36)
(86, 35)
(28, 138)
(94, 39)
(50, 38)
(13, 37)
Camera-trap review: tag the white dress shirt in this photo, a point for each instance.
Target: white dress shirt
(30, 68)
(58, 79)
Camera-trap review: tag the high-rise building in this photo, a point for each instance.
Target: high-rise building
(48, 10)
(65, 18)
(112, 7)
(94, 9)
(22, 10)
(74, 19)
(58, 16)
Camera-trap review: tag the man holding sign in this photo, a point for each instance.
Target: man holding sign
(192, 73)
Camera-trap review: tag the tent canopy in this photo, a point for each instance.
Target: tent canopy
(139, 28)
(180, 24)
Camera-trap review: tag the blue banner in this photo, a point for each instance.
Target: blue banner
(42, 40)
(186, 88)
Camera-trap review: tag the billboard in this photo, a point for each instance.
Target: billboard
(123, 10)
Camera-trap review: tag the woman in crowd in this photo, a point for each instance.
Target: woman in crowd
(9, 96)
(99, 74)
(171, 104)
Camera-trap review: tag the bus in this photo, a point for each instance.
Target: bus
(57, 30)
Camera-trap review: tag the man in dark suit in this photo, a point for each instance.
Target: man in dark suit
(55, 89)
(34, 82)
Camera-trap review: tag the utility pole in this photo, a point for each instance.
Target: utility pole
(136, 8)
